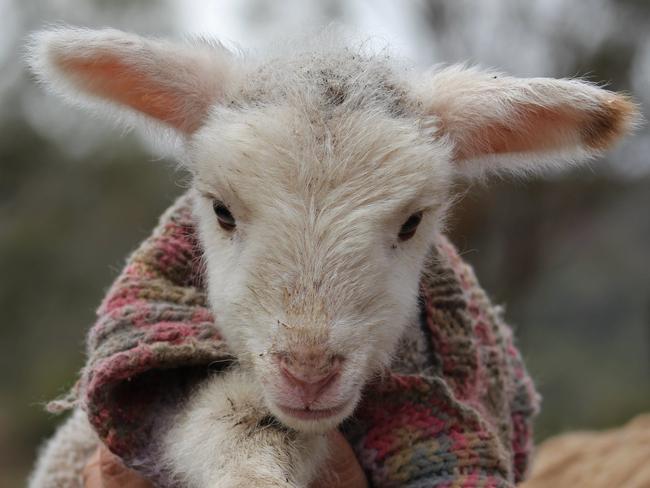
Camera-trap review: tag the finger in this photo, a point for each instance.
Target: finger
(342, 468)
(115, 475)
(91, 474)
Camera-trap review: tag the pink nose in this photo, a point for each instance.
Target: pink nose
(310, 383)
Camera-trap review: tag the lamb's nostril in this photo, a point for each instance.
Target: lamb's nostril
(303, 378)
(310, 383)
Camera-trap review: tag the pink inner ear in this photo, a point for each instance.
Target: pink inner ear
(530, 129)
(109, 77)
(533, 128)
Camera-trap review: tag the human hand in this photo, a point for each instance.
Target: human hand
(342, 469)
(105, 470)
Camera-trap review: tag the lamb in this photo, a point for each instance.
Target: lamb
(321, 177)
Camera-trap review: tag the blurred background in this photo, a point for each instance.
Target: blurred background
(569, 256)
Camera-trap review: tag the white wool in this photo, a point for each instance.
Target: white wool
(223, 418)
(321, 150)
(62, 459)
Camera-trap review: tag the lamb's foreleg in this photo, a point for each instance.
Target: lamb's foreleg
(62, 459)
(225, 438)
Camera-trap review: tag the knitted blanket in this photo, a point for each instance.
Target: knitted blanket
(455, 409)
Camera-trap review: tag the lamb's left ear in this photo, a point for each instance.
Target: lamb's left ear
(173, 83)
(500, 123)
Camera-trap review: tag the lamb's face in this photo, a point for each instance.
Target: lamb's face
(315, 282)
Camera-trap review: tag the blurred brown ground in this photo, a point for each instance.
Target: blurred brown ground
(615, 458)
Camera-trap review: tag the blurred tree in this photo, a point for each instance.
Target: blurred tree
(73, 203)
(567, 256)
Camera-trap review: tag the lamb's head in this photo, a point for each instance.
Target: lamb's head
(322, 176)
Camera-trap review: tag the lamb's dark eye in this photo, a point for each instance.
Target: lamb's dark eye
(224, 217)
(410, 226)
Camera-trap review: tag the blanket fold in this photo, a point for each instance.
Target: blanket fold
(455, 410)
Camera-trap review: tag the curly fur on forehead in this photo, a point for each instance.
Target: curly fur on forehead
(326, 71)
(328, 121)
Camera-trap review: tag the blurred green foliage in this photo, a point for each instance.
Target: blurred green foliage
(569, 261)
(66, 229)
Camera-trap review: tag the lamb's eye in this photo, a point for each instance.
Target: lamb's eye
(410, 226)
(224, 217)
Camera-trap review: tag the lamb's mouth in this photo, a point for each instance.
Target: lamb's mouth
(313, 414)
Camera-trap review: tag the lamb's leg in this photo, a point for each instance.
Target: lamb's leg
(225, 438)
(64, 456)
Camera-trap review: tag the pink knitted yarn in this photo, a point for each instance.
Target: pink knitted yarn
(463, 419)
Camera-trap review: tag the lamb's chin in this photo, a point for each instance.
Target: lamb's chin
(317, 421)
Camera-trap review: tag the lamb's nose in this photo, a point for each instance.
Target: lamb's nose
(310, 382)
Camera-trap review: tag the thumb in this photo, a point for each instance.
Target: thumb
(342, 469)
(105, 470)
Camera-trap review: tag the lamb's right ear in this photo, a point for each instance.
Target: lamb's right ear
(175, 84)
